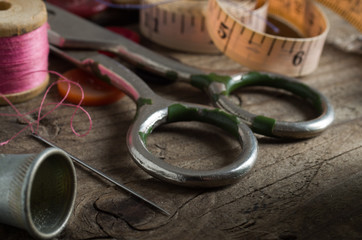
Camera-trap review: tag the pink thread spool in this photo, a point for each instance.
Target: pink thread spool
(23, 49)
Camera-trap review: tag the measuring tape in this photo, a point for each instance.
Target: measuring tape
(181, 25)
(236, 28)
(350, 10)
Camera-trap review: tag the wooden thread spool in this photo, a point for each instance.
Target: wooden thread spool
(18, 17)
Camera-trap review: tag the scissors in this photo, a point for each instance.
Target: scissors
(70, 32)
(153, 111)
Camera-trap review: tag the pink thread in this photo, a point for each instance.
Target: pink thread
(42, 105)
(20, 56)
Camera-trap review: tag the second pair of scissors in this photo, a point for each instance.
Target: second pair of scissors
(71, 32)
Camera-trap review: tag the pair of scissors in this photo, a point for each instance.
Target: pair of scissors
(70, 32)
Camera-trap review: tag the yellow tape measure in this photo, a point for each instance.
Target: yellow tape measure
(236, 28)
(351, 10)
(181, 25)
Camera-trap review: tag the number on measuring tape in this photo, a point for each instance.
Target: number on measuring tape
(223, 30)
(298, 58)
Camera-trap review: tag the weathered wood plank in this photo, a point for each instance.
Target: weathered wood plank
(306, 189)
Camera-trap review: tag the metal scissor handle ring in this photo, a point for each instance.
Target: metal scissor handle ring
(152, 117)
(269, 126)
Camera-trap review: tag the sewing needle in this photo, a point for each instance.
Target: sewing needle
(77, 160)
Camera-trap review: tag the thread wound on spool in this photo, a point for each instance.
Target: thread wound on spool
(23, 49)
(22, 57)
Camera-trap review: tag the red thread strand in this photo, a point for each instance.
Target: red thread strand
(42, 105)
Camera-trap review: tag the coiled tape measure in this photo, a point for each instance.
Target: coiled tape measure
(236, 28)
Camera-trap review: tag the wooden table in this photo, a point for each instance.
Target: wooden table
(308, 189)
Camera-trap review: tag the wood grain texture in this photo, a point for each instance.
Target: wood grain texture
(308, 189)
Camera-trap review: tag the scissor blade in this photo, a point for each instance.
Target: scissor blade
(69, 30)
(108, 70)
(74, 56)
